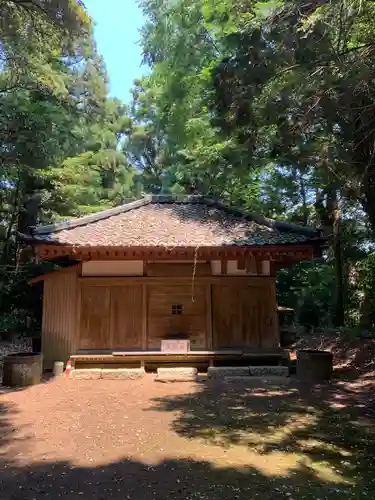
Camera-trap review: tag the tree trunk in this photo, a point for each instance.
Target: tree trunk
(365, 311)
(368, 195)
(339, 310)
(329, 214)
(305, 210)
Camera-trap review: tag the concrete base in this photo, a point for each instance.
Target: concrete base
(123, 374)
(108, 374)
(176, 374)
(272, 379)
(260, 371)
(227, 371)
(86, 374)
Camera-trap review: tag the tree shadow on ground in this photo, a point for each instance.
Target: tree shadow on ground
(325, 426)
(8, 432)
(168, 479)
(178, 478)
(7, 412)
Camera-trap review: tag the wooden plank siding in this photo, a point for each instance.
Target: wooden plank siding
(59, 331)
(135, 313)
(226, 312)
(179, 269)
(126, 317)
(244, 315)
(192, 323)
(95, 318)
(111, 317)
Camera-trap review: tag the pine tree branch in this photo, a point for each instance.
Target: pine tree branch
(324, 62)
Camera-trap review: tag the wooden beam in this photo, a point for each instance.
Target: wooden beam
(78, 315)
(66, 270)
(224, 266)
(209, 336)
(241, 263)
(250, 266)
(259, 269)
(150, 280)
(172, 269)
(144, 316)
(276, 252)
(274, 320)
(273, 269)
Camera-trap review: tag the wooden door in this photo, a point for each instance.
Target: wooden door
(177, 309)
(95, 324)
(244, 315)
(126, 317)
(111, 317)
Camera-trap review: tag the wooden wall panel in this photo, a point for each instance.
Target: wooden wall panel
(134, 314)
(111, 317)
(126, 317)
(59, 326)
(112, 268)
(192, 322)
(244, 315)
(161, 298)
(269, 318)
(179, 269)
(95, 318)
(227, 315)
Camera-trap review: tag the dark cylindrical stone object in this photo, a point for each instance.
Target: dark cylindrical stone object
(22, 369)
(36, 344)
(314, 366)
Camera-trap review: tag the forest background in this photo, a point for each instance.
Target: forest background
(269, 106)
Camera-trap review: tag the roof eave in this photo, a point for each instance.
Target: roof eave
(88, 219)
(281, 226)
(265, 221)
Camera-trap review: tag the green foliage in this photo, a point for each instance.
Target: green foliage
(60, 135)
(266, 105)
(308, 289)
(33, 37)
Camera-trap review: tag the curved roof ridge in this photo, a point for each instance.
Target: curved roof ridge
(281, 226)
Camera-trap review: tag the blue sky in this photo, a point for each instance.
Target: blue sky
(117, 24)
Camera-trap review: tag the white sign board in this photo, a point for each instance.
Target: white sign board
(175, 346)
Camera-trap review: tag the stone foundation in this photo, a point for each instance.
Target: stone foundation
(86, 374)
(108, 374)
(260, 371)
(123, 373)
(176, 374)
(227, 371)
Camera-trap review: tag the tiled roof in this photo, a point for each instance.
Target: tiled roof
(172, 222)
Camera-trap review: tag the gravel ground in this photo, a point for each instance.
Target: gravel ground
(144, 440)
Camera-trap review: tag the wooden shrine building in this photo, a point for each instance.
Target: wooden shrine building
(164, 268)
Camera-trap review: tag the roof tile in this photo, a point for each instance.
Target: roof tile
(171, 225)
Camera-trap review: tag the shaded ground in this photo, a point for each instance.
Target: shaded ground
(145, 440)
(354, 355)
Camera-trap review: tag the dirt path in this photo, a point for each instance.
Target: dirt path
(145, 440)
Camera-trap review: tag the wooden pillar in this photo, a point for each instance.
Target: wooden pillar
(224, 266)
(144, 316)
(250, 265)
(274, 320)
(209, 340)
(78, 312)
(241, 263)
